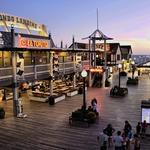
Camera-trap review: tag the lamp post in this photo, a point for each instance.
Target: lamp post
(84, 75)
(35, 74)
(130, 64)
(133, 68)
(119, 66)
(123, 67)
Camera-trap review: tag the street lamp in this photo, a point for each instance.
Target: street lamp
(123, 60)
(130, 64)
(119, 66)
(84, 75)
(133, 68)
(33, 63)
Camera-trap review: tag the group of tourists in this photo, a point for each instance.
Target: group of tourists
(123, 140)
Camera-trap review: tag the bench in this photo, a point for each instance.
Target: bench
(131, 81)
(72, 93)
(78, 121)
(118, 92)
(54, 99)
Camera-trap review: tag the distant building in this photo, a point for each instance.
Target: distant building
(126, 51)
(115, 52)
(141, 59)
(35, 59)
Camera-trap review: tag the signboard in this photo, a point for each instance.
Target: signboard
(24, 41)
(22, 23)
(15, 20)
(27, 42)
(32, 43)
(145, 110)
(146, 115)
(100, 70)
(99, 46)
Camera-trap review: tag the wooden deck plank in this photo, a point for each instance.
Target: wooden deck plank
(47, 127)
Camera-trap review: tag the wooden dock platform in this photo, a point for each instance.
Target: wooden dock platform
(47, 127)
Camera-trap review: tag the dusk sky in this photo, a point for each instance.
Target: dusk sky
(127, 21)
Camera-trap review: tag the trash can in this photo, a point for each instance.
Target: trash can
(80, 91)
(2, 113)
(51, 100)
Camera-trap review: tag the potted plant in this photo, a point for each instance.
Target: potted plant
(91, 116)
(123, 73)
(51, 100)
(2, 113)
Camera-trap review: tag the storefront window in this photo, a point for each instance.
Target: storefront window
(7, 59)
(40, 57)
(61, 59)
(1, 59)
(68, 59)
(44, 59)
(27, 58)
(85, 56)
(47, 57)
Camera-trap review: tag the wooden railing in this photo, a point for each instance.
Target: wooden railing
(40, 70)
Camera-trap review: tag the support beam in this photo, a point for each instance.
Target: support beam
(105, 65)
(51, 74)
(90, 56)
(14, 75)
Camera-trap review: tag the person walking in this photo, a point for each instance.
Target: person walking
(138, 128)
(118, 141)
(144, 127)
(127, 133)
(94, 106)
(127, 128)
(102, 140)
(109, 131)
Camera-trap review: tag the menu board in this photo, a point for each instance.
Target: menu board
(146, 115)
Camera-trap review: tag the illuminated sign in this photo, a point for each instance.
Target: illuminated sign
(14, 19)
(101, 46)
(146, 115)
(100, 70)
(33, 43)
(22, 23)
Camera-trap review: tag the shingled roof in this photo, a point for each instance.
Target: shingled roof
(114, 47)
(79, 45)
(125, 49)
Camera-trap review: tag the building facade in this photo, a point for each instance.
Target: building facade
(36, 45)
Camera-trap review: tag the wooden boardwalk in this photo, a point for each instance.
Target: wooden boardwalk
(47, 128)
